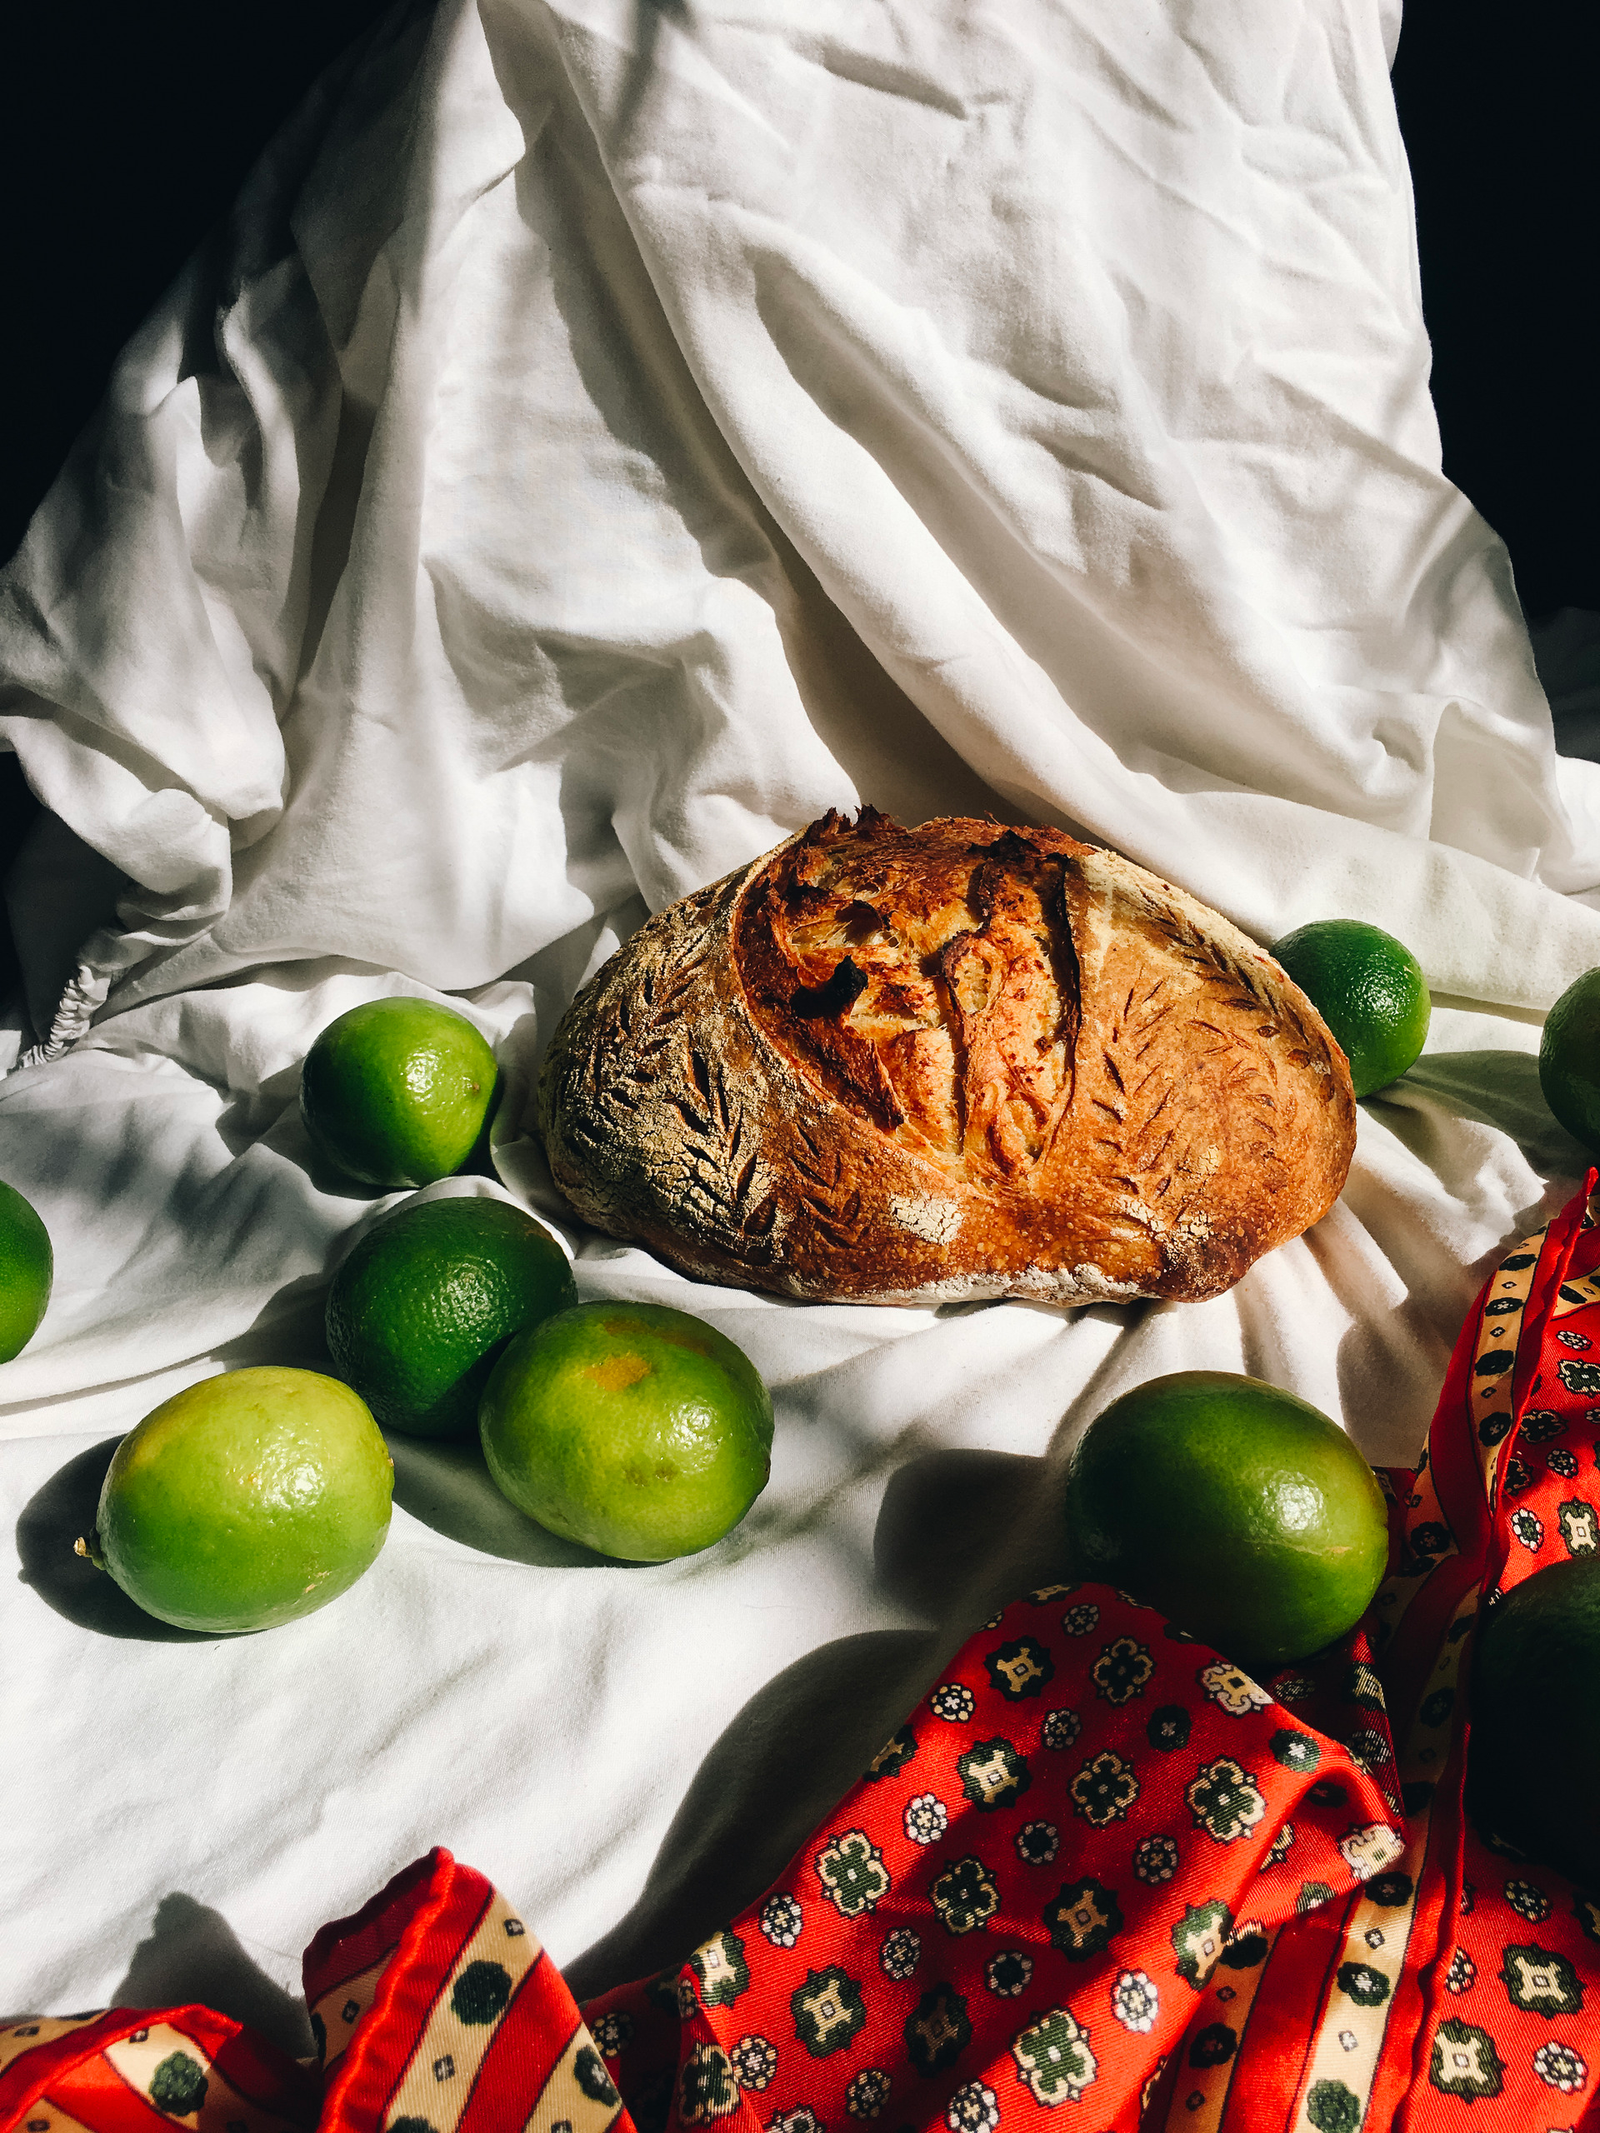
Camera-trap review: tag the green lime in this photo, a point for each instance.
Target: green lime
(245, 1501)
(419, 1312)
(26, 1269)
(1569, 1059)
(397, 1092)
(1241, 1512)
(1535, 1744)
(1369, 989)
(635, 1429)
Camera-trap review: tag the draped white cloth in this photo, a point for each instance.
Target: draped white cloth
(607, 434)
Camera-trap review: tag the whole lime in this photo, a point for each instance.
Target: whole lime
(1241, 1512)
(419, 1312)
(27, 1267)
(1535, 1743)
(1569, 1059)
(397, 1092)
(245, 1501)
(636, 1429)
(1369, 989)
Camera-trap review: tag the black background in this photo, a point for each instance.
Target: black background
(127, 131)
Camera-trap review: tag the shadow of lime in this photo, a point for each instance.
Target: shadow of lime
(448, 1487)
(52, 1520)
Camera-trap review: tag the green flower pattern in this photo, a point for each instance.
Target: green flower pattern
(852, 1873)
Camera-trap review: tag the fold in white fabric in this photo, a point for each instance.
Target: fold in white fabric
(606, 435)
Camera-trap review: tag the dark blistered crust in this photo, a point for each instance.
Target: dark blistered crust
(954, 1062)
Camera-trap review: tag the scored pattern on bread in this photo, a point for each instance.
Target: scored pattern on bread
(946, 1063)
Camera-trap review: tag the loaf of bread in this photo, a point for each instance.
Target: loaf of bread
(932, 1065)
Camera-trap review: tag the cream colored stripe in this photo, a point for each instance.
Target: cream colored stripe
(47, 2117)
(138, 2057)
(564, 2101)
(1576, 1293)
(1500, 1333)
(439, 2076)
(28, 2032)
(1213, 2082)
(342, 2008)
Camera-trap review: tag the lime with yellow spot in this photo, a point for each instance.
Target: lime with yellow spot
(1369, 989)
(27, 1267)
(634, 1428)
(245, 1501)
(1241, 1512)
(420, 1311)
(398, 1092)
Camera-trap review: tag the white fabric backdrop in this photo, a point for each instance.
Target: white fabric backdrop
(609, 433)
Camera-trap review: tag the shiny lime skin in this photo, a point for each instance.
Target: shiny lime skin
(638, 1430)
(397, 1092)
(1241, 1512)
(27, 1267)
(1535, 1751)
(1369, 989)
(1569, 1060)
(420, 1311)
(246, 1501)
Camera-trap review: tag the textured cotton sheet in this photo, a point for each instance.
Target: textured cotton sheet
(606, 436)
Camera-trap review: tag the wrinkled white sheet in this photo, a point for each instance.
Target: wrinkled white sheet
(609, 433)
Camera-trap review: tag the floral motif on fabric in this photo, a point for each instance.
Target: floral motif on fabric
(964, 1895)
(1084, 1918)
(1562, 1462)
(781, 1920)
(1577, 1341)
(1361, 1686)
(1312, 1894)
(1462, 1974)
(802, 2119)
(754, 2061)
(1053, 2058)
(1135, 2002)
(1528, 1900)
(1214, 2045)
(868, 2093)
(1369, 1848)
(892, 1757)
(721, 1969)
(1333, 2106)
(993, 1774)
(1528, 1527)
(1104, 1789)
(1199, 1938)
(1020, 1669)
(1295, 1751)
(612, 2033)
(1464, 2061)
(900, 1954)
(1155, 1860)
(1037, 1843)
(1361, 1983)
(1078, 1621)
(1540, 1424)
(1561, 2067)
(1280, 1847)
(973, 2109)
(1224, 1800)
(953, 1702)
(1122, 1669)
(937, 2031)
(1060, 1729)
(1516, 1477)
(926, 1818)
(1168, 1728)
(1581, 1378)
(1579, 1526)
(1233, 1689)
(852, 1873)
(828, 2010)
(1539, 1981)
(1368, 1748)
(1007, 1975)
(707, 2089)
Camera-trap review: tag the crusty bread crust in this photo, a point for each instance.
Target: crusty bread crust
(956, 1062)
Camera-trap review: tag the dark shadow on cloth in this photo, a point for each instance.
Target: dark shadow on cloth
(961, 1533)
(192, 1954)
(52, 1519)
(1499, 1089)
(447, 1487)
(796, 1748)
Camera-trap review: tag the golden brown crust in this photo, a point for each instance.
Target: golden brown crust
(961, 1061)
